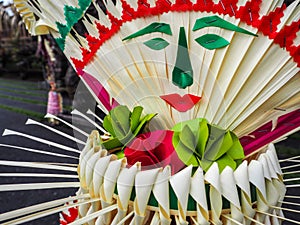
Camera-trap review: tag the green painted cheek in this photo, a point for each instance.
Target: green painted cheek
(182, 75)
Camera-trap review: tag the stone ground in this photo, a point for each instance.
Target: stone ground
(22, 99)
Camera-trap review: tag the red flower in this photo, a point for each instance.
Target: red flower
(154, 150)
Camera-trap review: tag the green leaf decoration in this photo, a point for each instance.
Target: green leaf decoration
(84, 4)
(236, 150)
(153, 27)
(156, 43)
(187, 138)
(198, 143)
(216, 21)
(142, 123)
(112, 143)
(193, 125)
(186, 155)
(107, 124)
(135, 117)
(62, 29)
(226, 160)
(60, 42)
(185, 141)
(72, 16)
(203, 133)
(182, 74)
(218, 143)
(212, 41)
(120, 154)
(205, 164)
(123, 125)
(120, 119)
(185, 147)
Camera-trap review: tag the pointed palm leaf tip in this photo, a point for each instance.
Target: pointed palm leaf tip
(182, 75)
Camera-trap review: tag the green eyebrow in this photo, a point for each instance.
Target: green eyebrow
(153, 27)
(215, 21)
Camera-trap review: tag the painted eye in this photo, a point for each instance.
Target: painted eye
(156, 43)
(212, 41)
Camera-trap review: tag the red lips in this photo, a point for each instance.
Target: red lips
(181, 104)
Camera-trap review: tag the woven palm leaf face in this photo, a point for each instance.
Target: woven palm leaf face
(141, 69)
(136, 74)
(238, 57)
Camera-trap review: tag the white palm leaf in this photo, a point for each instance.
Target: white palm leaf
(225, 78)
